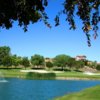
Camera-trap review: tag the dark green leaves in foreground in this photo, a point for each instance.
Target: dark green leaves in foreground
(87, 10)
(26, 11)
(23, 11)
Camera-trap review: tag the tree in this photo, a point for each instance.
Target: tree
(49, 64)
(19, 60)
(16, 60)
(4, 51)
(25, 62)
(71, 62)
(94, 64)
(7, 61)
(98, 67)
(80, 64)
(26, 11)
(61, 60)
(37, 60)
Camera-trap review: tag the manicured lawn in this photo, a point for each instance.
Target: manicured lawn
(12, 73)
(62, 75)
(77, 75)
(87, 94)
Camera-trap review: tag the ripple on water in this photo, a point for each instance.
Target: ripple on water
(3, 81)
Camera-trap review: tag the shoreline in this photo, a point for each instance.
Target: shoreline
(56, 78)
(74, 78)
(37, 74)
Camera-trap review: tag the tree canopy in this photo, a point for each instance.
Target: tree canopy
(61, 60)
(25, 62)
(4, 51)
(26, 11)
(49, 64)
(7, 61)
(37, 60)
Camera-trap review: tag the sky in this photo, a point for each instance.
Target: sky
(39, 39)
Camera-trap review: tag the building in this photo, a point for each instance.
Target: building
(80, 57)
(48, 60)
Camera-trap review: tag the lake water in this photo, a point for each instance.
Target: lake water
(20, 89)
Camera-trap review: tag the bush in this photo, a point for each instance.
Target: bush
(49, 64)
(98, 67)
(33, 75)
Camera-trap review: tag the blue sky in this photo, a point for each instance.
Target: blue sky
(50, 42)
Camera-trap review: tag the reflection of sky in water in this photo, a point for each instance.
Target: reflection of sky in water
(18, 89)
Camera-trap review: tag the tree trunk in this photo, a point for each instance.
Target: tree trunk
(62, 68)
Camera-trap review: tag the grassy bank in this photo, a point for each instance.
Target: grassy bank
(87, 94)
(13, 73)
(63, 75)
(76, 75)
(9, 73)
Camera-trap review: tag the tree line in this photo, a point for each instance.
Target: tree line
(62, 61)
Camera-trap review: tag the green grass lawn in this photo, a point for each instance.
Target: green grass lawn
(74, 74)
(67, 74)
(12, 73)
(87, 94)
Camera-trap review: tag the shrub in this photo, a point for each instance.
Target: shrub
(33, 75)
(49, 64)
(98, 67)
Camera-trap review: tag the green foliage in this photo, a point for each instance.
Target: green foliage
(25, 62)
(71, 62)
(61, 60)
(86, 62)
(26, 11)
(98, 67)
(80, 64)
(93, 64)
(7, 61)
(49, 64)
(4, 51)
(87, 11)
(37, 60)
(19, 60)
(14, 60)
(32, 75)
